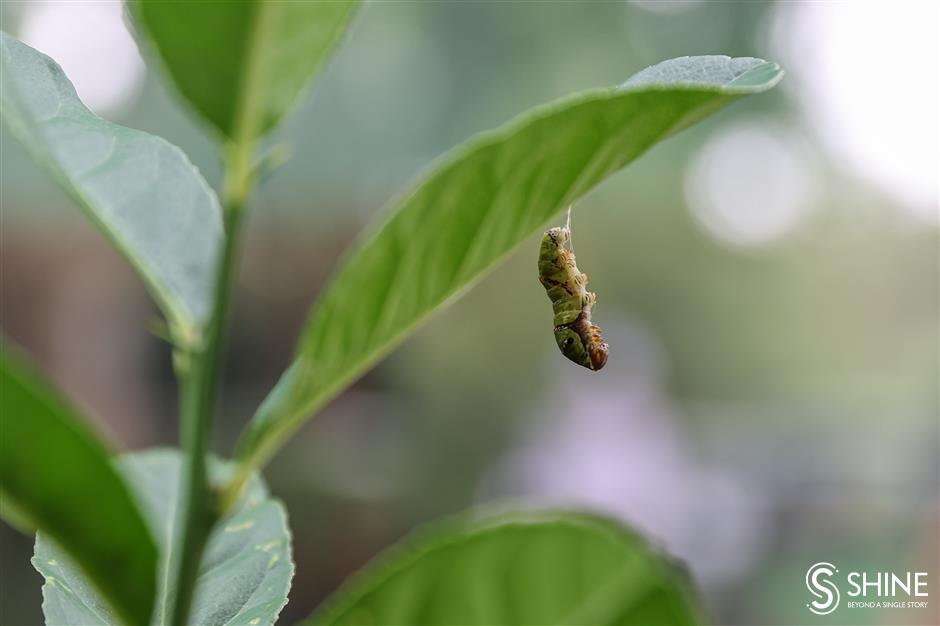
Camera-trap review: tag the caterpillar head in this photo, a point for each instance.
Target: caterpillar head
(592, 355)
(570, 344)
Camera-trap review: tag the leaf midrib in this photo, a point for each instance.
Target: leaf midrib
(165, 563)
(247, 125)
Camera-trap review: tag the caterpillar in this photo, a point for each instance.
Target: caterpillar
(578, 338)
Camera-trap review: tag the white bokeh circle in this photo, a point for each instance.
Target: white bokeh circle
(751, 184)
(92, 44)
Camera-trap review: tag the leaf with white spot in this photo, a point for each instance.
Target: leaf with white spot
(245, 573)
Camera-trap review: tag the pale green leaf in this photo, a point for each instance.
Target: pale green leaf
(242, 65)
(140, 190)
(473, 209)
(57, 477)
(245, 572)
(517, 569)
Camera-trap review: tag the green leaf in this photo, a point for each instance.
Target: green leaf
(140, 190)
(522, 568)
(242, 65)
(57, 477)
(472, 209)
(245, 572)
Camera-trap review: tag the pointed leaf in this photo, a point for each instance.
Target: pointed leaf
(245, 572)
(57, 477)
(242, 65)
(472, 209)
(140, 190)
(521, 568)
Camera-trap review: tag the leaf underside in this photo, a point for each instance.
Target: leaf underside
(515, 569)
(473, 208)
(140, 190)
(245, 573)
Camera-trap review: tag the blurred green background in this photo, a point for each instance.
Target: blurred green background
(768, 283)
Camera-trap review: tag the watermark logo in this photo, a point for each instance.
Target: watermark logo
(864, 590)
(819, 583)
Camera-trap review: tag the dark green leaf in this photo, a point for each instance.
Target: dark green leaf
(57, 477)
(523, 568)
(141, 191)
(472, 209)
(242, 64)
(245, 572)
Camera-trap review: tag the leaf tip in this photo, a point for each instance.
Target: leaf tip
(734, 75)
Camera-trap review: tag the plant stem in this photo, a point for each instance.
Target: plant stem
(199, 394)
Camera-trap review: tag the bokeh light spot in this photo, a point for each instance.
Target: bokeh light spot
(865, 74)
(91, 43)
(750, 185)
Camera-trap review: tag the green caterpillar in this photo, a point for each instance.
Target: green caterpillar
(577, 337)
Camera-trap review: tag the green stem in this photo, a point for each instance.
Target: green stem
(199, 394)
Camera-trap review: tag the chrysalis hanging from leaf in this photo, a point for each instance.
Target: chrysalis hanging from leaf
(577, 337)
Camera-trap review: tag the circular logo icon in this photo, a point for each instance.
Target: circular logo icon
(825, 591)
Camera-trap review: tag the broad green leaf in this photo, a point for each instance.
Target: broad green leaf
(522, 568)
(242, 64)
(140, 190)
(472, 209)
(245, 573)
(57, 477)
